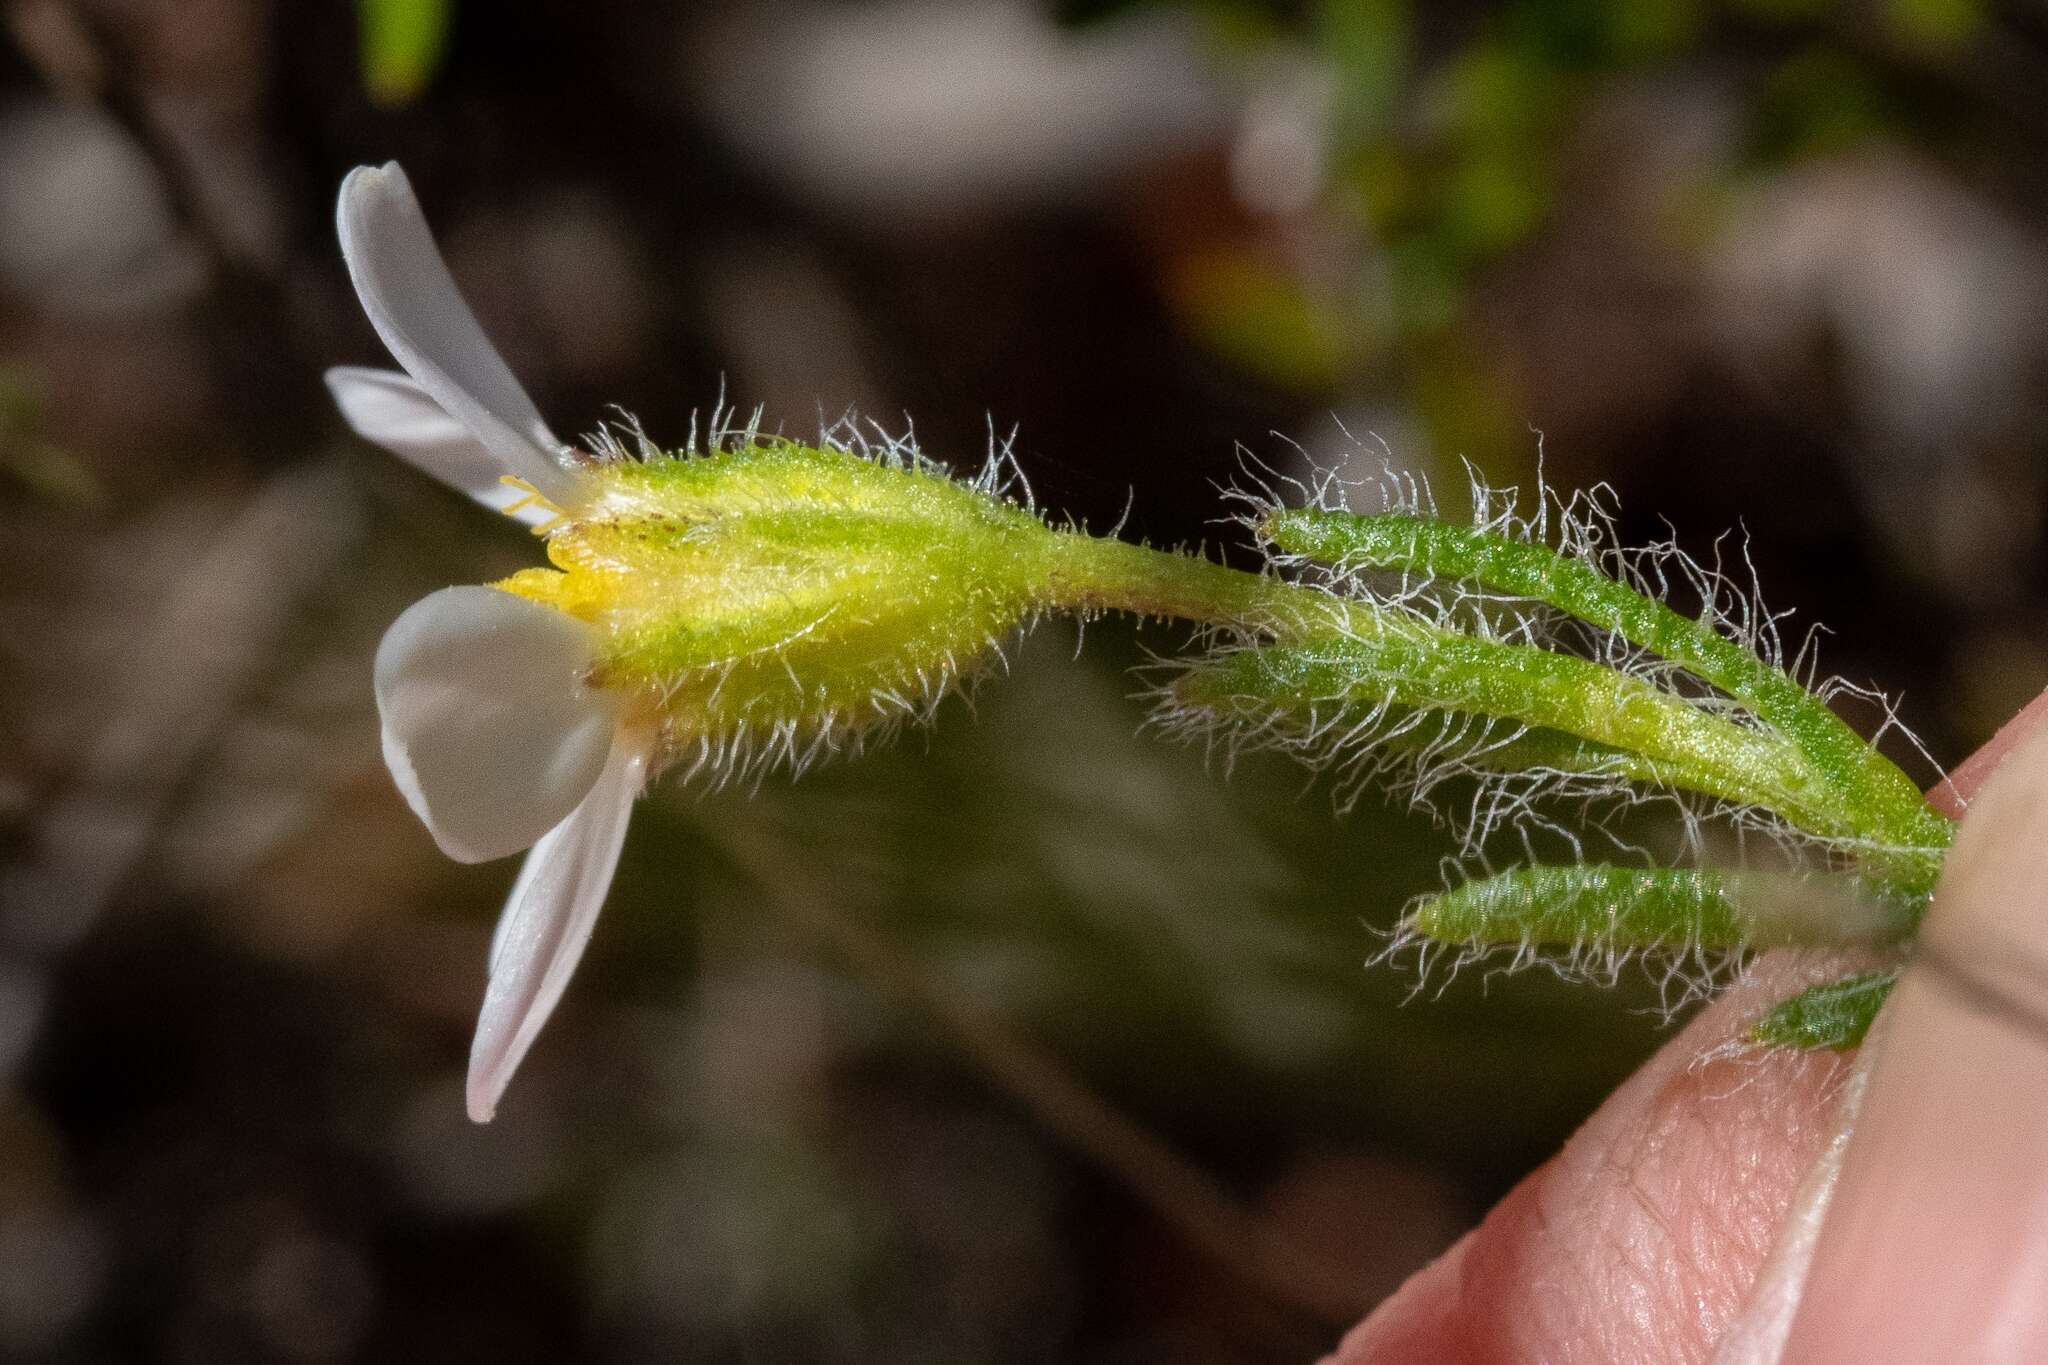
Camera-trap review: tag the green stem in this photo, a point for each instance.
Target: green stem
(1091, 574)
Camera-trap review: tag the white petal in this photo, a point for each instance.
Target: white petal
(412, 301)
(489, 727)
(387, 407)
(547, 922)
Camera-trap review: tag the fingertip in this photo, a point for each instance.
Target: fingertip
(1935, 1246)
(1952, 795)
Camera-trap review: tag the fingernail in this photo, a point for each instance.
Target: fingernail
(1934, 1246)
(1757, 1336)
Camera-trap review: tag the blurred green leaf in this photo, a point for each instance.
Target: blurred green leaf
(1819, 102)
(1647, 29)
(48, 470)
(1935, 24)
(1466, 404)
(403, 42)
(1382, 185)
(1368, 42)
(1494, 92)
(1426, 279)
(1495, 199)
(1783, 11)
(1260, 317)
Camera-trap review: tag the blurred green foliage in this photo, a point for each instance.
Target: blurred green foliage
(402, 45)
(39, 464)
(1445, 143)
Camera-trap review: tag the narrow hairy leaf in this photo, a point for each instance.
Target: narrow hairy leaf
(1523, 749)
(1643, 907)
(1876, 802)
(1655, 737)
(1622, 906)
(1834, 1015)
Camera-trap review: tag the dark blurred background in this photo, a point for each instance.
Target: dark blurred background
(1037, 1040)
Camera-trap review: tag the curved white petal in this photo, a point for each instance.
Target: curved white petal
(387, 407)
(489, 728)
(547, 922)
(413, 303)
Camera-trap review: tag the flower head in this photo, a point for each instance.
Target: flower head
(750, 600)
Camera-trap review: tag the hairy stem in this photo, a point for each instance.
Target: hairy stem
(1094, 574)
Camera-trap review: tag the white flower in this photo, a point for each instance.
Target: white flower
(491, 728)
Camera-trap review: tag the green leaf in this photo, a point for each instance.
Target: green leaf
(1936, 25)
(1367, 43)
(1655, 907)
(1634, 907)
(1649, 736)
(1260, 317)
(1835, 1015)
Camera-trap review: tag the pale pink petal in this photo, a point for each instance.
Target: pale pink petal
(387, 407)
(489, 727)
(413, 303)
(548, 921)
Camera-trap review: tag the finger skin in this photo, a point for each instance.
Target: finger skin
(1935, 1245)
(1641, 1239)
(1953, 792)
